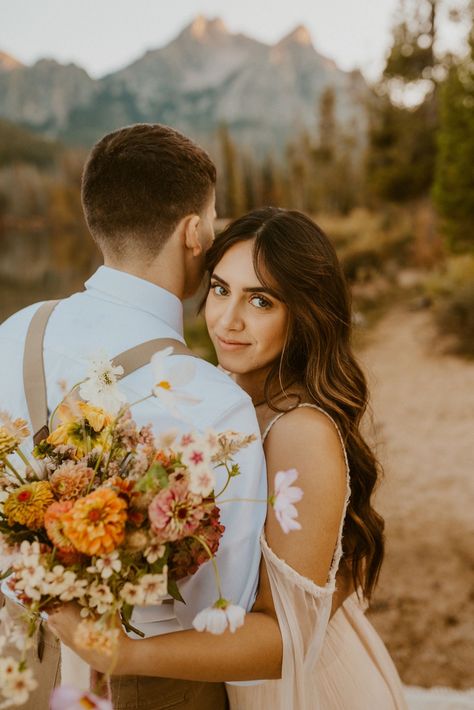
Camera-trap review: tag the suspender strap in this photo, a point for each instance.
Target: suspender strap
(140, 355)
(34, 379)
(33, 365)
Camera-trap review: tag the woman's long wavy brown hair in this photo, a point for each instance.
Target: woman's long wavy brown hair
(294, 257)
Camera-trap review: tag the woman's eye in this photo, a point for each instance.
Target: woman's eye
(218, 289)
(260, 302)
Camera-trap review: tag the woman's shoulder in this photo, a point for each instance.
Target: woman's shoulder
(306, 422)
(308, 439)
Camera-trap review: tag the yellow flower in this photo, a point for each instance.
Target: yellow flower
(62, 434)
(96, 523)
(97, 417)
(27, 504)
(16, 427)
(71, 431)
(8, 442)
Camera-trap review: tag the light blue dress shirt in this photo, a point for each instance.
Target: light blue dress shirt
(115, 312)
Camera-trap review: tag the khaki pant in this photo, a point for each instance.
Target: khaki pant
(147, 693)
(47, 670)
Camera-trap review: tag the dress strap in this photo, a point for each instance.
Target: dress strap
(338, 550)
(270, 424)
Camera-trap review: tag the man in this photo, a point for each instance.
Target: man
(148, 195)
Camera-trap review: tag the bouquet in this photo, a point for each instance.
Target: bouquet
(113, 515)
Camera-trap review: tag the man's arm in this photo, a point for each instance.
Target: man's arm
(238, 557)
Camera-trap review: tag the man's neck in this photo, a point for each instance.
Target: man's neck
(164, 278)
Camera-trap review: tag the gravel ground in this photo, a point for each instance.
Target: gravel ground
(423, 429)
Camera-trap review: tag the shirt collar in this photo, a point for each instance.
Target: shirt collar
(138, 293)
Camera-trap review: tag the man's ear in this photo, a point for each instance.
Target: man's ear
(191, 234)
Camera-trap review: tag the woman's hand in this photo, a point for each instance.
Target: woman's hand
(63, 622)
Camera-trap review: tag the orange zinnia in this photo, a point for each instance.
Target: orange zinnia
(96, 523)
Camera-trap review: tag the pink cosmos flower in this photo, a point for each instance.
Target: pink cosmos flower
(175, 512)
(283, 498)
(67, 698)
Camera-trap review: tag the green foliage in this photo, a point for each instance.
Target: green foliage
(402, 149)
(402, 139)
(19, 145)
(454, 185)
(411, 55)
(452, 291)
(455, 316)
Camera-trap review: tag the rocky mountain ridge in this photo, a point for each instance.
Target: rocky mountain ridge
(206, 76)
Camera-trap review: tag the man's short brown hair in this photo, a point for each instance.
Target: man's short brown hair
(139, 182)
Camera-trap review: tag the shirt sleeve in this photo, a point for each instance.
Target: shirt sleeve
(238, 557)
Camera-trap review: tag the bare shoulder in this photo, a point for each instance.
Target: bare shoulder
(307, 439)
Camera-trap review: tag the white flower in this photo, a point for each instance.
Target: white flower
(132, 594)
(108, 564)
(100, 387)
(64, 584)
(30, 552)
(169, 380)
(218, 618)
(201, 481)
(283, 498)
(154, 587)
(31, 581)
(154, 551)
(16, 684)
(58, 580)
(8, 555)
(196, 454)
(100, 597)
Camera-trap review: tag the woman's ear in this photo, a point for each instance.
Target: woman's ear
(191, 234)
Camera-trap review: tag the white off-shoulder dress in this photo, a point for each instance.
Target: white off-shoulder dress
(328, 664)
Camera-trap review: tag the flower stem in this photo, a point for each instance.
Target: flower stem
(243, 500)
(13, 470)
(229, 477)
(139, 401)
(53, 413)
(22, 456)
(214, 563)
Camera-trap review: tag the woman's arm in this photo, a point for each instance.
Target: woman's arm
(254, 651)
(305, 440)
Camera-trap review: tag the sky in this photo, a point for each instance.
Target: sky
(105, 35)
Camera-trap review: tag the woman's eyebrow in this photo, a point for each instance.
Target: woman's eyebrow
(215, 277)
(248, 289)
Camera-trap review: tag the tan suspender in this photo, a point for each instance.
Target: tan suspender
(34, 379)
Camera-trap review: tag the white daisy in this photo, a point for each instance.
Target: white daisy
(100, 386)
(169, 380)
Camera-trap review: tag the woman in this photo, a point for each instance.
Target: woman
(278, 314)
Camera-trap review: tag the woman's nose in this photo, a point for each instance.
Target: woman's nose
(231, 317)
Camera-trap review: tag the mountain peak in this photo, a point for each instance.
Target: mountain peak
(203, 27)
(300, 35)
(7, 62)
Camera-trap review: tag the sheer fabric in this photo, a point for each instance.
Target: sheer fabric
(328, 664)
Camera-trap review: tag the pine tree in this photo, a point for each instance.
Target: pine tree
(454, 186)
(402, 139)
(232, 179)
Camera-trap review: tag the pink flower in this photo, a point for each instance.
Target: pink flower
(68, 698)
(175, 512)
(283, 498)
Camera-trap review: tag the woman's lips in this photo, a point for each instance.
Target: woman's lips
(230, 345)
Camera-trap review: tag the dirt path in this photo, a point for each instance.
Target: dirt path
(423, 406)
